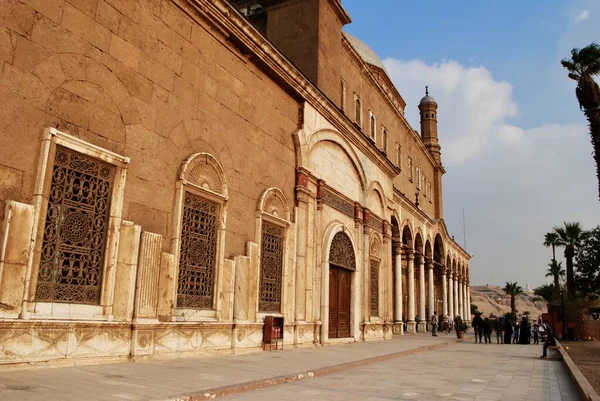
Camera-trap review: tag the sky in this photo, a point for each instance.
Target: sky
(515, 145)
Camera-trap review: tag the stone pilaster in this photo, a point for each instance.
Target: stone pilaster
(166, 286)
(146, 298)
(410, 259)
(125, 277)
(455, 293)
(15, 245)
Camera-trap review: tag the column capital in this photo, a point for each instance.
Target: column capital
(429, 263)
(409, 252)
(396, 248)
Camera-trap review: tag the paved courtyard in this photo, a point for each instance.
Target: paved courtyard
(418, 367)
(459, 372)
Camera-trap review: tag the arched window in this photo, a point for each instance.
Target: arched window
(410, 169)
(372, 126)
(357, 110)
(399, 155)
(374, 262)
(418, 172)
(199, 234)
(343, 94)
(274, 215)
(384, 139)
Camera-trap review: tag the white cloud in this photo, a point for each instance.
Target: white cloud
(582, 16)
(475, 105)
(514, 182)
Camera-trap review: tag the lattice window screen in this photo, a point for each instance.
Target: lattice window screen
(271, 268)
(75, 229)
(197, 255)
(374, 284)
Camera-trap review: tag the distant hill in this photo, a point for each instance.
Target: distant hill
(491, 299)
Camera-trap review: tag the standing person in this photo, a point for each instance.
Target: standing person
(434, 324)
(450, 323)
(487, 330)
(525, 331)
(478, 327)
(515, 333)
(536, 333)
(500, 330)
(446, 324)
(508, 331)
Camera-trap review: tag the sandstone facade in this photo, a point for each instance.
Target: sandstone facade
(170, 174)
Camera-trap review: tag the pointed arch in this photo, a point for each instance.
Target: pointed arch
(274, 202)
(203, 170)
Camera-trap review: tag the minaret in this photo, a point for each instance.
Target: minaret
(428, 108)
(429, 134)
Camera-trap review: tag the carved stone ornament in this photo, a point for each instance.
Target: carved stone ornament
(341, 252)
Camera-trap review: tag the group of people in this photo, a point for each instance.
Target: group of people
(508, 332)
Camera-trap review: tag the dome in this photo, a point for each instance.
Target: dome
(364, 51)
(427, 99)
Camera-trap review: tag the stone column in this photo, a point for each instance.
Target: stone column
(461, 299)
(469, 298)
(431, 297)
(455, 293)
(444, 292)
(398, 285)
(422, 320)
(410, 259)
(450, 296)
(467, 304)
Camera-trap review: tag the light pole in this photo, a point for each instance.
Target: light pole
(562, 309)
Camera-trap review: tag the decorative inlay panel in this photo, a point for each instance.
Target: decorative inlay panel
(271, 267)
(374, 284)
(197, 253)
(337, 202)
(341, 252)
(374, 222)
(75, 229)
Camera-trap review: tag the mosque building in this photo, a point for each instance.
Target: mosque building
(176, 173)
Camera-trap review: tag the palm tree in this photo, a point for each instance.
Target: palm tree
(512, 289)
(570, 236)
(583, 65)
(545, 291)
(556, 271)
(550, 240)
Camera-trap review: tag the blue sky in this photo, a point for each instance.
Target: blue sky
(514, 142)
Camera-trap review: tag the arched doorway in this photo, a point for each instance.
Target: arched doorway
(342, 264)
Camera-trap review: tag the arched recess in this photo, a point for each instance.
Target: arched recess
(376, 199)
(201, 195)
(419, 245)
(375, 260)
(327, 135)
(339, 289)
(272, 235)
(407, 236)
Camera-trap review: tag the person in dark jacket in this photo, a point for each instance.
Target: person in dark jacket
(524, 331)
(508, 331)
(487, 330)
(549, 341)
(478, 327)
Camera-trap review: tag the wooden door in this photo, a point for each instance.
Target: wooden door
(344, 303)
(339, 302)
(333, 302)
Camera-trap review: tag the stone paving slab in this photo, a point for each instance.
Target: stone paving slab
(460, 372)
(174, 379)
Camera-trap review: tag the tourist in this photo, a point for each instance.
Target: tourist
(434, 324)
(549, 341)
(450, 323)
(525, 331)
(536, 332)
(515, 339)
(446, 324)
(487, 330)
(508, 331)
(499, 327)
(477, 324)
